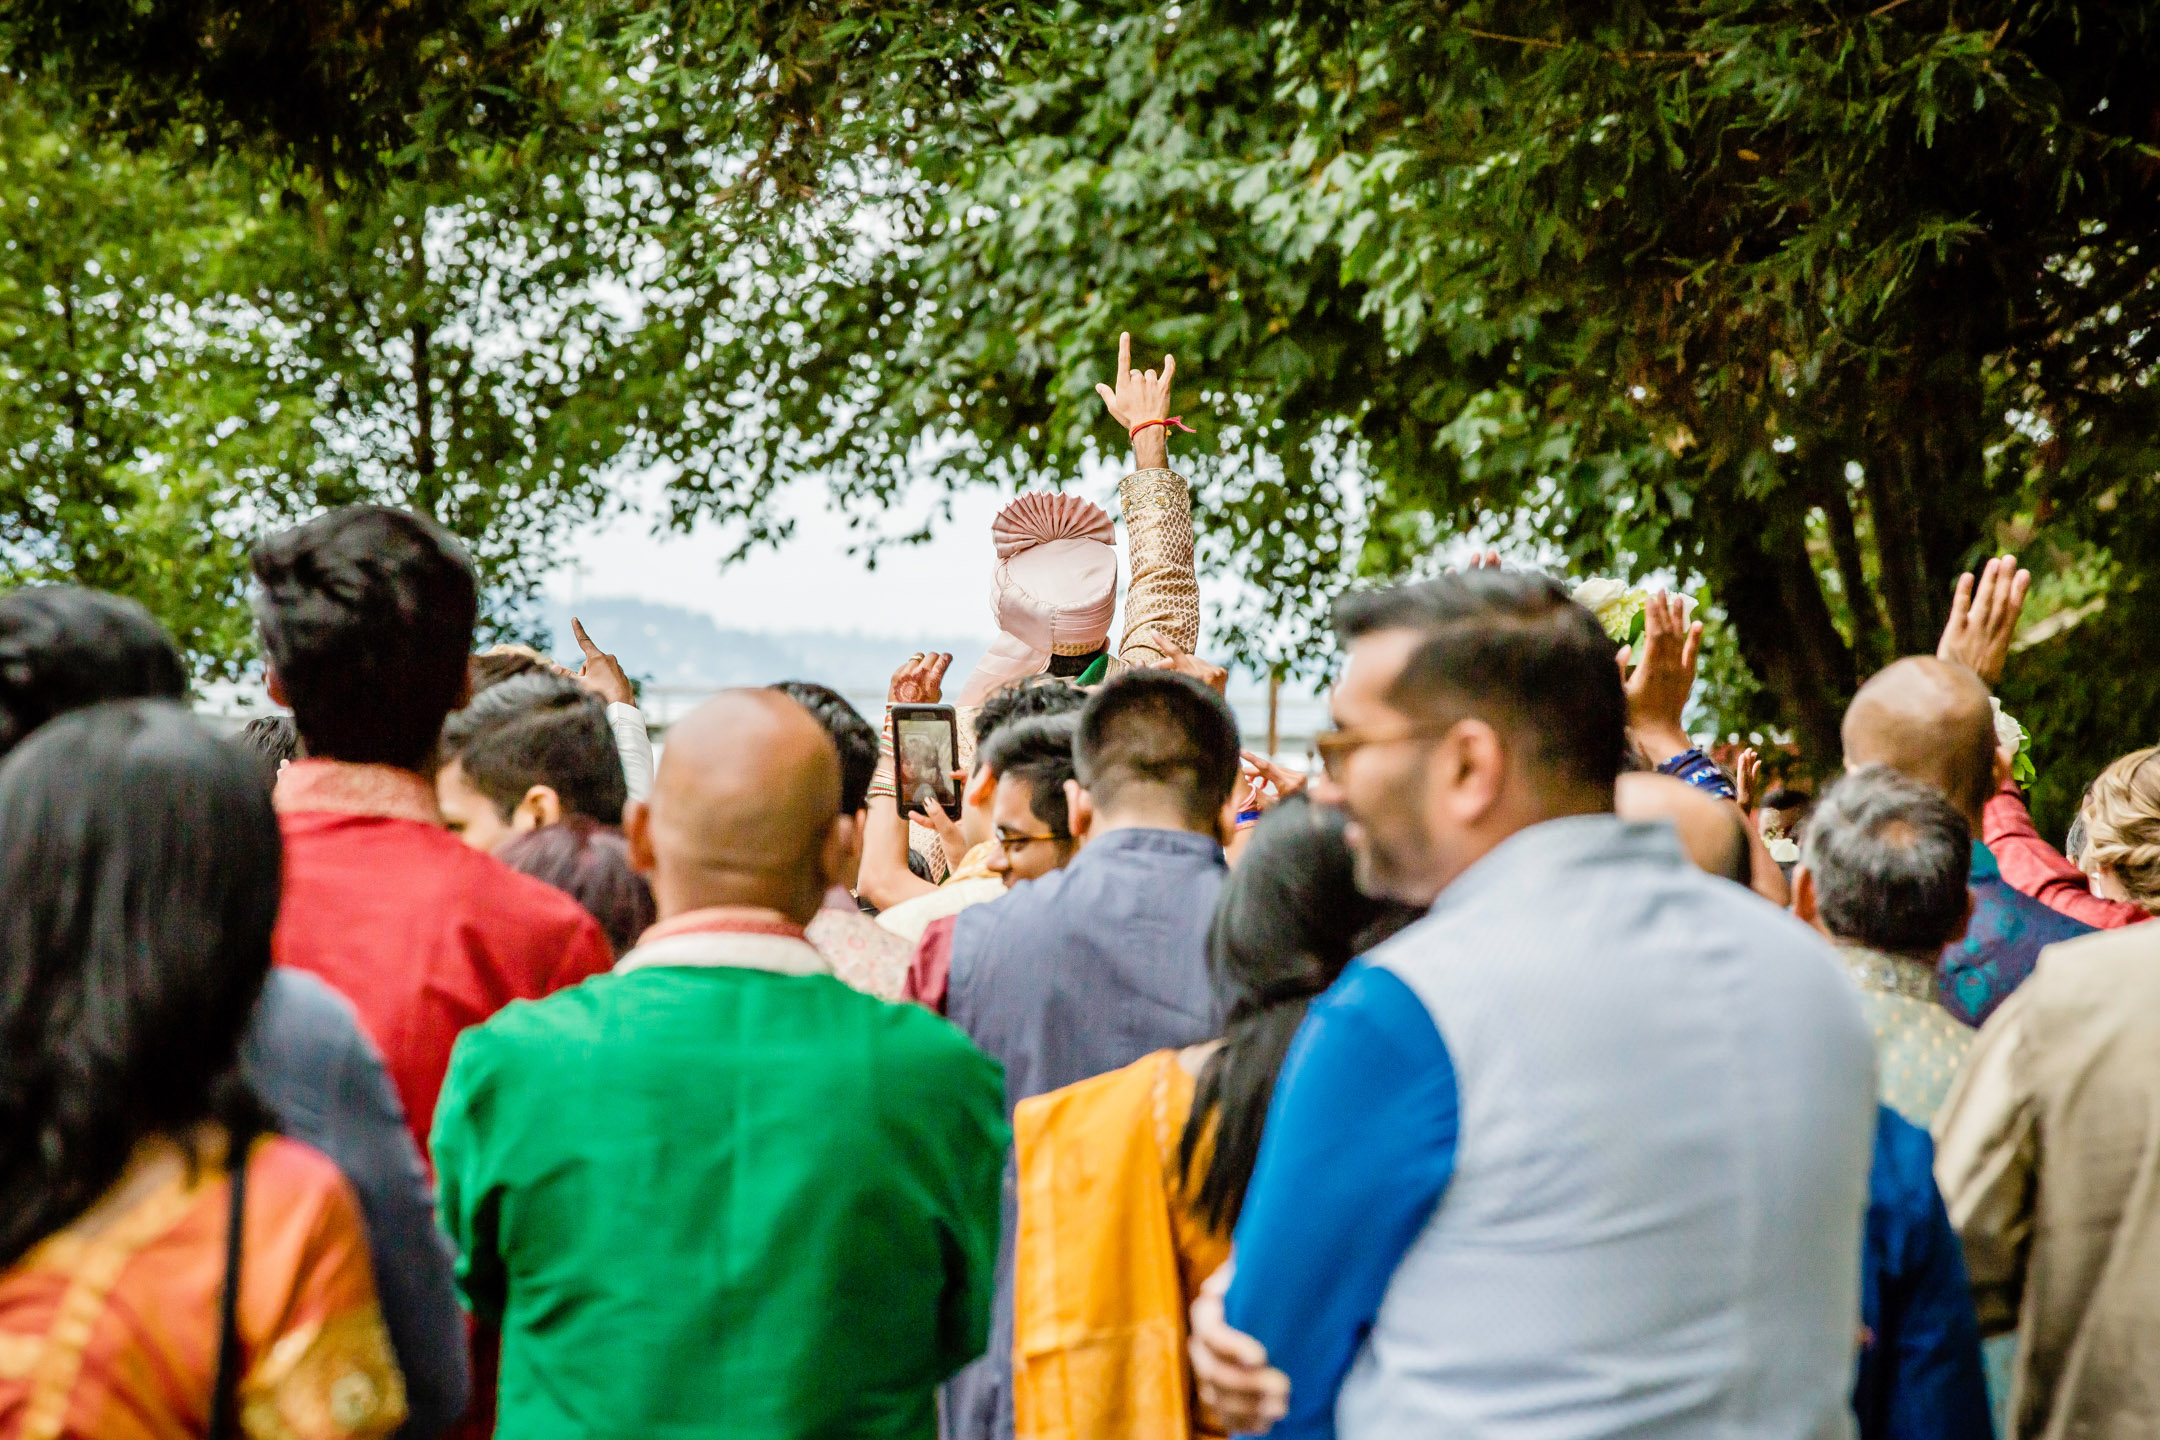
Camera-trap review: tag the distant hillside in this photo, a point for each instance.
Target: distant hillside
(680, 655)
(671, 648)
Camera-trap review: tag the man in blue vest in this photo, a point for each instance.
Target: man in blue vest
(1586, 1150)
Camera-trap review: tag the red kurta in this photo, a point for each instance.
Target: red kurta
(423, 933)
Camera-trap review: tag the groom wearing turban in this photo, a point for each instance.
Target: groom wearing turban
(1055, 587)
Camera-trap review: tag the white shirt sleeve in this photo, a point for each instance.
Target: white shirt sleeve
(635, 747)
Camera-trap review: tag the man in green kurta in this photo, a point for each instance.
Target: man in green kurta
(717, 1192)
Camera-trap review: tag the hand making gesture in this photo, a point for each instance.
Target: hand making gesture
(1983, 618)
(601, 673)
(1658, 686)
(1141, 397)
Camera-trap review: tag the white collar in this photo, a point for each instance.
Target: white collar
(718, 950)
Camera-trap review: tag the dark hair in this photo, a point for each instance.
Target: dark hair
(1891, 857)
(139, 873)
(1072, 667)
(63, 647)
(1289, 919)
(1509, 647)
(273, 737)
(1036, 695)
(590, 864)
(1156, 727)
(1783, 798)
(1038, 752)
(540, 730)
(851, 736)
(491, 667)
(366, 615)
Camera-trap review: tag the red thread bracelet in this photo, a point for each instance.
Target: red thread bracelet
(1177, 420)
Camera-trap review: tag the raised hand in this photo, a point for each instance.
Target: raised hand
(1658, 687)
(1266, 783)
(1141, 395)
(1749, 780)
(920, 680)
(1983, 618)
(1175, 657)
(601, 673)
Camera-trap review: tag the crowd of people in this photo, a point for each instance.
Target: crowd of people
(442, 1056)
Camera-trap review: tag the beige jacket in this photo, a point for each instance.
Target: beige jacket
(2048, 1155)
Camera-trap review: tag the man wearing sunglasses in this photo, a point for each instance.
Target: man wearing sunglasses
(1585, 1151)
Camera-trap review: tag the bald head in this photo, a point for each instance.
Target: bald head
(1713, 833)
(1929, 721)
(745, 809)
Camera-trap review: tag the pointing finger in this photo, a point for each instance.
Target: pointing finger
(585, 642)
(1124, 352)
(1169, 368)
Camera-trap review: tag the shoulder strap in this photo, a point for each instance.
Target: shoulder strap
(224, 1400)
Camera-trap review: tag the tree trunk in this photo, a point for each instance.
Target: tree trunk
(1927, 491)
(1784, 626)
(423, 444)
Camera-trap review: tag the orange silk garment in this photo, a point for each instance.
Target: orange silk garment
(109, 1329)
(1107, 1259)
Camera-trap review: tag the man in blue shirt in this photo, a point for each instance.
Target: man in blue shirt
(1930, 719)
(1088, 968)
(1584, 1151)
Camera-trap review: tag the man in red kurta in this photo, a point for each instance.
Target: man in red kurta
(423, 933)
(367, 617)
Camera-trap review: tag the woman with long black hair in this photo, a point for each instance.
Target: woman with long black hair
(149, 1287)
(1130, 1183)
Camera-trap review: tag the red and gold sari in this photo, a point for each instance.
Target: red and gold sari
(109, 1329)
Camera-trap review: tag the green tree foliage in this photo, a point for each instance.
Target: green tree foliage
(1810, 305)
(1805, 305)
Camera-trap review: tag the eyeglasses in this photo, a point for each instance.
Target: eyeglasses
(1336, 746)
(1013, 843)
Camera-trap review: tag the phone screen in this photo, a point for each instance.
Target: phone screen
(929, 752)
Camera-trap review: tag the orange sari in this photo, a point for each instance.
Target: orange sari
(1107, 1260)
(109, 1329)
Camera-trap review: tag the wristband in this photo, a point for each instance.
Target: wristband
(1177, 420)
(1247, 818)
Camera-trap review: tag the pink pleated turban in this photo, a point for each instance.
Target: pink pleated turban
(1054, 592)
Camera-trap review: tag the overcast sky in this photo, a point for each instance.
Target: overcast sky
(812, 582)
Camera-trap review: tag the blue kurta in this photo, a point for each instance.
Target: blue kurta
(2007, 934)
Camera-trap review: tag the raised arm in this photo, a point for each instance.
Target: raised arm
(1162, 602)
(884, 879)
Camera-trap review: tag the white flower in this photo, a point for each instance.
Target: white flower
(1616, 605)
(2009, 735)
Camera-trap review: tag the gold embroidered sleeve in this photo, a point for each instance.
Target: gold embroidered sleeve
(1164, 596)
(336, 1380)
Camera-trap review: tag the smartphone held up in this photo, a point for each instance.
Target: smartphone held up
(926, 745)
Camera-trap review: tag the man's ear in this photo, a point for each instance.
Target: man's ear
(1469, 766)
(851, 840)
(1805, 902)
(980, 787)
(841, 838)
(1079, 811)
(276, 687)
(637, 830)
(540, 806)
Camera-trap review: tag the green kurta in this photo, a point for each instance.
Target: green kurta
(724, 1202)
